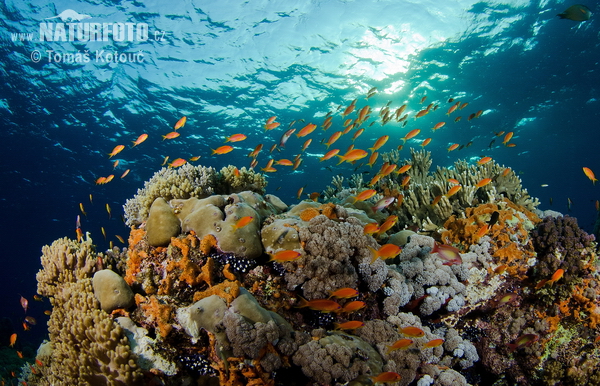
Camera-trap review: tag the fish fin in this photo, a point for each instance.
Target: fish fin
(374, 254)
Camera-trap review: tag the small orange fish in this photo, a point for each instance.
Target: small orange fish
(484, 160)
(483, 182)
(116, 150)
(323, 305)
(48, 312)
(404, 169)
(452, 109)
(454, 146)
(388, 376)
(140, 139)
(109, 178)
(180, 123)
(387, 224)
(120, 238)
(284, 162)
(351, 325)
(358, 133)
(436, 200)
(371, 228)
(507, 138)
(352, 155)
(413, 332)
(177, 163)
(353, 306)
(115, 164)
(39, 362)
(379, 143)
(438, 126)
(590, 174)
(222, 149)
(434, 343)
(165, 161)
(410, 134)
(365, 195)
(81, 209)
(506, 299)
(453, 181)
(426, 142)
(482, 231)
(171, 135)
(387, 251)
(330, 154)
(400, 344)
(285, 255)
(422, 113)
(556, 276)
(125, 173)
(453, 190)
(235, 138)
(306, 130)
(271, 125)
(405, 181)
(26, 327)
(505, 172)
(13, 340)
(20, 354)
(499, 270)
(242, 222)
(344, 293)
(306, 143)
(523, 341)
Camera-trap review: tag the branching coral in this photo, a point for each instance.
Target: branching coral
(233, 180)
(65, 261)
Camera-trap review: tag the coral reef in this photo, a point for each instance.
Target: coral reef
(516, 304)
(87, 346)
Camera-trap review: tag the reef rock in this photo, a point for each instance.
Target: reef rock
(111, 290)
(162, 223)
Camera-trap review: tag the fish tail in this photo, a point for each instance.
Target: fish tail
(374, 254)
(342, 159)
(302, 303)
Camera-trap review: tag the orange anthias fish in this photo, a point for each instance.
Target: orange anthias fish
(306, 130)
(483, 182)
(344, 293)
(353, 306)
(448, 253)
(507, 137)
(453, 190)
(371, 228)
(413, 332)
(388, 224)
(484, 160)
(482, 231)
(352, 155)
(365, 195)
(222, 149)
(125, 173)
(13, 340)
(387, 251)
(271, 125)
(379, 143)
(388, 376)
(351, 325)
(410, 134)
(286, 255)
(404, 169)
(330, 154)
(171, 135)
(556, 276)
(235, 138)
(523, 341)
(400, 344)
(140, 139)
(438, 126)
(434, 343)
(242, 222)
(334, 137)
(177, 163)
(590, 174)
(116, 150)
(454, 146)
(180, 123)
(426, 142)
(323, 305)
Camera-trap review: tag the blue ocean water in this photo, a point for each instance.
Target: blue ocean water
(230, 65)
